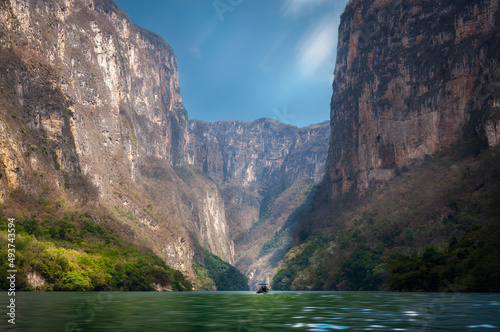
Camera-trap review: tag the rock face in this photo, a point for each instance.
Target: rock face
(411, 78)
(87, 94)
(260, 168)
(261, 153)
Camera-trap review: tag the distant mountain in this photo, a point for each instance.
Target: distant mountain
(266, 172)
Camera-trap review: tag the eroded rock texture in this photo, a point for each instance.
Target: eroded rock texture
(411, 78)
(88, 98)
(86, 93)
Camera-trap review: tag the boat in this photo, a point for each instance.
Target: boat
(263, 289)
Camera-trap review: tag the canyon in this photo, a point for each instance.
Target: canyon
(93, 128)
(266, 172)
(92, 116)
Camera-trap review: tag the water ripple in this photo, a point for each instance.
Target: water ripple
(244, 311)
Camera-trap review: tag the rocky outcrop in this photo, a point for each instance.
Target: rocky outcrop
(414, 112)
(411, 78)
(119, 82)
(259, 154)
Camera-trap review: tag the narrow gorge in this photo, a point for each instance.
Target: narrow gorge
(267, 172)
(94, 134)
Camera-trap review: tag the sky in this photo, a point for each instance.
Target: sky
(249, 59)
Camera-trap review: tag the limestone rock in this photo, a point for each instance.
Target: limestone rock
(411, 78)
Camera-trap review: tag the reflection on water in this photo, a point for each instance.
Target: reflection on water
(246, 311)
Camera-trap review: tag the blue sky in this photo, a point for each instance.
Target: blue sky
(249, 59)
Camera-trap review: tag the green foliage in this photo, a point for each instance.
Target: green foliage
(284, 278)
(417, 272)
(74, 281)
(272, 244)
(311, 268)
(56, 162)
(393, 237)
(73, 253)
(203, 280)
(359, 270)
(472, 263)
(225, 276)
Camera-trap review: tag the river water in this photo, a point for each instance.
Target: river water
(246, 311)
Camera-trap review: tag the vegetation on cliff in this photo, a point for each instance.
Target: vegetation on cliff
(411, 196)
(224, 275)
(435, 225)
(64, 250)
(472, 263)
(59, 243)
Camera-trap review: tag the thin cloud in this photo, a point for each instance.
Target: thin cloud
(196, 53)
(316, 49)
(271, 52)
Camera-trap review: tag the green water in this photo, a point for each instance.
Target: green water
(246, 311)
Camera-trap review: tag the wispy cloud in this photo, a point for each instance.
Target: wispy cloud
(196, 53)
(298, 7)
(316, 49)
(203, 36)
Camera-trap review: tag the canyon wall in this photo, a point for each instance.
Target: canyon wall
(413, 158)
(89, 95)
(266, 172)
(259, 153)
(411, 78)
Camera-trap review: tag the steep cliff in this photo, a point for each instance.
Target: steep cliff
(259, 154)
(411, 78)
(266, 172)
(91, 109)
(412, 186)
